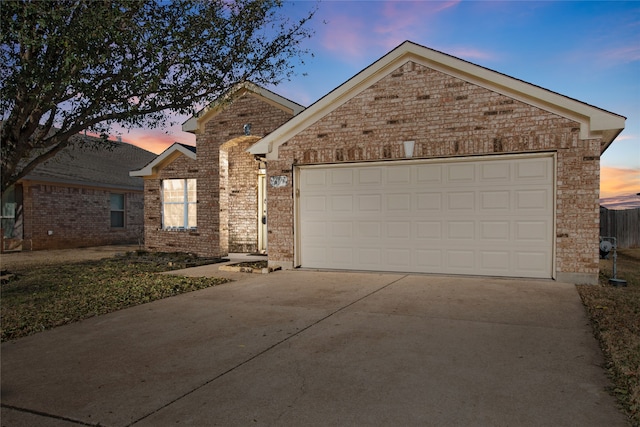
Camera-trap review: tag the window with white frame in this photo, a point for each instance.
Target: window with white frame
(117, 210)
(179, 204)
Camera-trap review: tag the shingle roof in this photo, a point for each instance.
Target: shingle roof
(176, 149)
(100, 167)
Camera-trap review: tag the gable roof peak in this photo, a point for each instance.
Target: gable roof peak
(594, 122)
(195, 124)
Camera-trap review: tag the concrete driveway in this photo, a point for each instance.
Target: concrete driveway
(301, 348)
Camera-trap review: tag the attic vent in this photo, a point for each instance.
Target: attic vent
(497, 145)
(378, 98)
(386, 151)
(461, 97)
(456, 84)
(423, 97)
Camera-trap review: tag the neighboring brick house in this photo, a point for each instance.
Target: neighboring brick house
(212, 201)
(423, 162)
(82, 197)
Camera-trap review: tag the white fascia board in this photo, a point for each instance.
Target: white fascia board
(594, 122)
(191, 125)
(150, 168)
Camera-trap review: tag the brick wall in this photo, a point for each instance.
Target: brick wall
(447, 117)
(59, 216)
(157, 239)
(242, 195)
(227, 127)
(227, 183)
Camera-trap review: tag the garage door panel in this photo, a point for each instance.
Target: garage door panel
(314, 229)
(370, 176)
(528, 200)
(464, 172)
(398, 230)
(495, 172)
(398, 176)
(431, 230)
(429, 259)
(341, 230)
(315, 178)
(315, 204)
(495, 261)
(531, 262)
(539, 170)
(342, 177)
(429, 201)
(533, 231)
(398, 202)
(485, 217)
(461, 260)
(461, 201)
(429, 175)
(341, 257)
(369, 230)
(461, 230)
(370, 257)
(495, 200)
(497, 231)
(398, 258)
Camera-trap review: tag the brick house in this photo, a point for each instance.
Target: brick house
(212, 201)
(422, 162)
(82, 197)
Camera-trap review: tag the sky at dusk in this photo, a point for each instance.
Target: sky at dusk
(586, 50)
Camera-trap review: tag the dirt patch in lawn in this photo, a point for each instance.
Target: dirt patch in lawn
(614, 312)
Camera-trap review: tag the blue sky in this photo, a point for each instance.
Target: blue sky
(587, 50)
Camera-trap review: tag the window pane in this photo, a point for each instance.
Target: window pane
(173, 216)
(173, 190)
(191, 190)
(117, 202)
(117, 219)
(193, 218)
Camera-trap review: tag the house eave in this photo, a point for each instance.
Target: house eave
(167, 155)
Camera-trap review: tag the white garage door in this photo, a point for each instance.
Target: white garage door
(482, 217)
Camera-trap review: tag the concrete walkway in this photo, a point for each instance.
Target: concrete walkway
(304, 348)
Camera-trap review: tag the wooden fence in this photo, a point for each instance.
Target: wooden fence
(624, 225)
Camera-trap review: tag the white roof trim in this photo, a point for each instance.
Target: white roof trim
(594, 122)
(195, 123)
(151, 168)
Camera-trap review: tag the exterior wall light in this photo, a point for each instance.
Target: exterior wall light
(408, 148)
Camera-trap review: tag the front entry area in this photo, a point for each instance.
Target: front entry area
(490, 215)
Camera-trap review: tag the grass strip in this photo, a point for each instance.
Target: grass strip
(41, 298)
(614, 313)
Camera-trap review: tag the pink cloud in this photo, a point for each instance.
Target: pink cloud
(355, 28)
(618, 181)
(624, 54)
